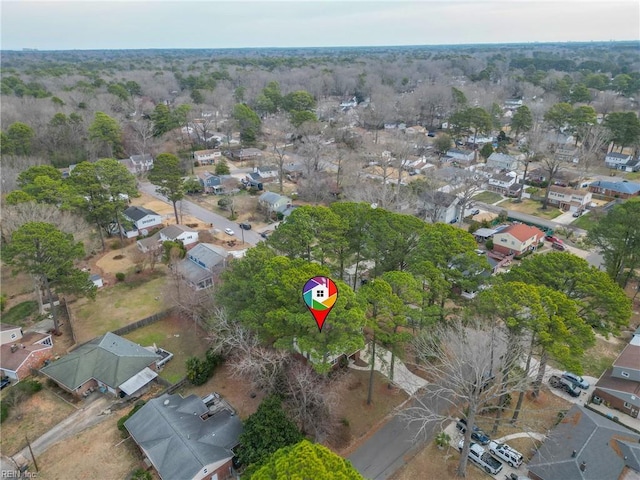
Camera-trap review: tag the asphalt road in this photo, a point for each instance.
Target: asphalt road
(251, 237)
(388, 449)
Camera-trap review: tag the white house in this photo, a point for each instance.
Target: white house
(206, 157)
(501, 183)
(569, 199)
(502, 161)
(142, 219)
(460, 155)
(621, 161)
(188, 236)
(480, 139)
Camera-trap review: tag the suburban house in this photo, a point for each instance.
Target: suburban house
(293, 171)
(517, 239)
(142, 219)
(253, 180)
(212, 183)
(567, 153)
(206, 157)
(465, 156)
(619, 386)
(137, 164)
(622, 189)
(109, 363)
(439, 207)
(569, 199)
(513, 103)
(418, 166)
(245, 154)
(349, 102)
(502, 161)
(586, 445)
(504, 184)
(617, 160)
(186, 438)
(21, 352)
(203, 262)
(172, 233)
(274, 203)
(267, 173)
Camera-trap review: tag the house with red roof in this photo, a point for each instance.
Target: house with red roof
(517, 239)
(22, 352)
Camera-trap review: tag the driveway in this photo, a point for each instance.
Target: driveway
(391, 446)
(206, 216)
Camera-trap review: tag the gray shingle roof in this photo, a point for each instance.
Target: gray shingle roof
(179, 443)
(174, 231)
(597, 441)
(136, 213)
(110, 359)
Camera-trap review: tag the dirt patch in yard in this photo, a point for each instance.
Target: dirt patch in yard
(357, 419)
(98, 452)
(31, 418)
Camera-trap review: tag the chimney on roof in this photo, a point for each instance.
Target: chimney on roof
(573, 454)
(583, 466)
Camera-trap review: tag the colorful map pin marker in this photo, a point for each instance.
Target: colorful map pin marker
(320, 294)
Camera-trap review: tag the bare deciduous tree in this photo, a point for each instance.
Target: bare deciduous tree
(460, 360)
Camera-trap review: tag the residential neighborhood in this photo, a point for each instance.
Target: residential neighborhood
(476, 207)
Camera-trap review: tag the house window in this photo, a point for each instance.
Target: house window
(625, 374)
(627, 405)
(13, 335)
(204, 471)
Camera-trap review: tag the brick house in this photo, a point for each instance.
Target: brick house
(569, 199)
(619, 386)
(110, 363)
(20, 353)
(186, 438)
(622, 189)
(517, 239)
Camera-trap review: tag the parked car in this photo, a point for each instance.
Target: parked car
(455, 220)
(264, 234)
(4, 382)
(481, 458)
(475, 212)
(577, 214)
(564, 384)
(228, 231)
(576, 380)
(431, 133)
(552, 239)
(477, 434)
(558, 246)
(245, 226)
(506, 453)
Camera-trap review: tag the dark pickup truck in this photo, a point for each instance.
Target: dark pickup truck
(564, 384)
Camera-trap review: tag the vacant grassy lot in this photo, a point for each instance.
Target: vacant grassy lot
(32, 418)
(487, 197)
(601, 356)
(585, 221)
(531, 207)
(14, 285)
(118, 305)
(177, 335)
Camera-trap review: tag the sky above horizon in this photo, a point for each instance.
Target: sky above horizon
(120, 24)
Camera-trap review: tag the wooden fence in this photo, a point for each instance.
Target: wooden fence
(142, 323)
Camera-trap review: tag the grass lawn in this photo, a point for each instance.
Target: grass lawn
(585, 221)
(632, 176)
(117, 305)
(601, 356)
(179, 336)
(21, 313)
(532, 208)
(32, 417)
(487, 197)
